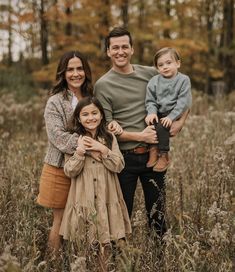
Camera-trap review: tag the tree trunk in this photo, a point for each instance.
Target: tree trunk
(44, 34)
(57, 45)
(125, 14)
(141, 20)
(9, 58)
(105, 18)
(228, 22)
(166, 31)
(209, 26)
(68, 26)
(32, 29)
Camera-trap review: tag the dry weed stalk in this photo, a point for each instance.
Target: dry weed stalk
(199, 187)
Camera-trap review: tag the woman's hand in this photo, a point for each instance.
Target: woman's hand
(91, 144)
(81, 149)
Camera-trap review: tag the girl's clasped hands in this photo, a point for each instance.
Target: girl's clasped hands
(88, 145)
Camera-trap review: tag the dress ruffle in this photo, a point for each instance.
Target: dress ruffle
(103, 222)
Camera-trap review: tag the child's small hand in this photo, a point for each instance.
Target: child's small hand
(166, 121)
(91, 144)
(150, 118)
(95, 155)
(115, 128)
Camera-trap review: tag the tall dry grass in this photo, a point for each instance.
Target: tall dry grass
(200, 195)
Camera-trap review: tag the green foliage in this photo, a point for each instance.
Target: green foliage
(18, 81)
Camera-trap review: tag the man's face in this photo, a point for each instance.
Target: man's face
(120, 52)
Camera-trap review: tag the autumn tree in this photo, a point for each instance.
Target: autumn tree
(125, 12)
(202, 31)
(43, 32)
(227, 44)
(7, 24)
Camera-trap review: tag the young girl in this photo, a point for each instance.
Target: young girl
(95, 209)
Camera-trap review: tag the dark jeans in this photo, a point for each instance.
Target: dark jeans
(163, 136)
(153, 184)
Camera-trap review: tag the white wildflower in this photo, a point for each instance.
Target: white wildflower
(230, 140)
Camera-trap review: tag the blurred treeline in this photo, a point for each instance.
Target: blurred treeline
(202, 31)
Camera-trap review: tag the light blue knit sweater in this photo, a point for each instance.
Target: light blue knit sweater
(169, 95)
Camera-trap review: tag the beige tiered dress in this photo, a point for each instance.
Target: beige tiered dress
(95, 209)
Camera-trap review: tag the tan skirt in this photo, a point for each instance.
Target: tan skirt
(54, 187)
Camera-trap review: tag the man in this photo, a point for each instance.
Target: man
(122, 93)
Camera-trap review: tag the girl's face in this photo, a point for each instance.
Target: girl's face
(90, 118)
(75, 74)
(167, 65)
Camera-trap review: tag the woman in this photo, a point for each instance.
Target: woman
(73, 82)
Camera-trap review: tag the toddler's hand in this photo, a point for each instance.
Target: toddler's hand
(166, 121)
(149, 119)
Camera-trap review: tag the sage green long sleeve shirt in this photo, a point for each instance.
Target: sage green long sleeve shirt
(123, 97)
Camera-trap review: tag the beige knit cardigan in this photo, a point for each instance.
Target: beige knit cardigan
(58, 112)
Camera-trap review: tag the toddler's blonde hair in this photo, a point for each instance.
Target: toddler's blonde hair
(163, 51)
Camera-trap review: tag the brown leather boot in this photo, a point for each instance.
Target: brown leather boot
(162, 162)
(153, 154)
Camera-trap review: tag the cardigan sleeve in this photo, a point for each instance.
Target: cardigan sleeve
(56, 127)
(73, 165)
(114, 161)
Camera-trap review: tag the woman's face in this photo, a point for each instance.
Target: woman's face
(75, 74)
(90, 118)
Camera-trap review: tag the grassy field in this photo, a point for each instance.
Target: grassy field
(200, 194)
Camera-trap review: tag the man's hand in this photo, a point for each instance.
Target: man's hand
(175, 128)
(166, 121)
(149, 119)
(178, 124)
(148, 135)
(115, 128)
